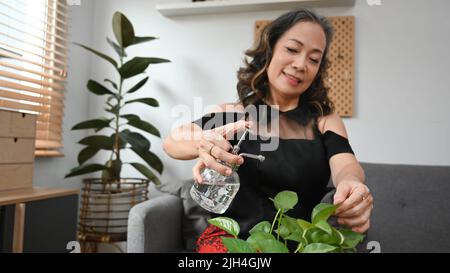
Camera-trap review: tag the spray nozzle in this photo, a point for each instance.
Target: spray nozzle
(261, 158)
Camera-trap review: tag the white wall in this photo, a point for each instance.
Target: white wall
(50, 172)
(401, 64)
(402, 61)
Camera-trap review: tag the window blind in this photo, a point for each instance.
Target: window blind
(33, 65)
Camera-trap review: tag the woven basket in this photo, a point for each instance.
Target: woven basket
(105, 206)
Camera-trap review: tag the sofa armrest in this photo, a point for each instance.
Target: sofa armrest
(328, 197)
(156, 225)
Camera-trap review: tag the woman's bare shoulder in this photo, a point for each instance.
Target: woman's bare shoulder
(332, 122)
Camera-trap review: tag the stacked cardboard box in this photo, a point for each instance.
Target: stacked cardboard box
(17, 144)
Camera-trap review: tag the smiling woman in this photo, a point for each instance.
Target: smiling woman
(303, 140)
(280, 43)
(294, 62)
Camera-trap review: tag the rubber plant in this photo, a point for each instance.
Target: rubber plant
(317, 236)
(117, 126)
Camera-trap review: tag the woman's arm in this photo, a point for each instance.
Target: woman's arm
(190, 141)
(344, 165)
(355, 203)
(183, 142)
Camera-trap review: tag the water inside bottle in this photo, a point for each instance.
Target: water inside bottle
(216, 192)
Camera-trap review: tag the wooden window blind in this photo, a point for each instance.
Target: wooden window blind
(33, 65)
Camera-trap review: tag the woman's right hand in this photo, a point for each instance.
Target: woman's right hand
(214, 145)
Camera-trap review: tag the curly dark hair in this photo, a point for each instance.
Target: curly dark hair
(253, 80)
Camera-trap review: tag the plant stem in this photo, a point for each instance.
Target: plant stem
(278, 227)
(117, 140)
(274, 220)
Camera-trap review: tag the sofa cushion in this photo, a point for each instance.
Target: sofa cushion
(411, 207)
(195, 218)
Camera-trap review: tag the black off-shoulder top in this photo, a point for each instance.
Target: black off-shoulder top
(296, 158)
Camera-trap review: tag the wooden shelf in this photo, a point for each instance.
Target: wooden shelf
(230, 6)
(53, 220)
(10, 197)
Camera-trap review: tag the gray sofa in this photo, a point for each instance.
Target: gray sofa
(411, 213)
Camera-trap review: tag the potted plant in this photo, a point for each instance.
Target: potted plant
(106, 200)
(317, 236)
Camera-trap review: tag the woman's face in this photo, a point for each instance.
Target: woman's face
(296, 59)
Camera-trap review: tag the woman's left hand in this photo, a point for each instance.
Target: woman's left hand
(354, 205)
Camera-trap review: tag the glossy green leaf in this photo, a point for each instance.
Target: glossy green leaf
(318, 248)
(235, 245)
(322, 212)
(320, 236)
(323, 225)
(139, 40)
(117, 48)
(285, 200)
(305, 225)
(227, 224)
(101, 55)
(138, 65)
(146, 172)
(351, 238)
(272, 246)
(290, 223)
(337, 237)
(296, 236)
(86, 154)
(149, 101)
(98, 141)
(263, 226)
(258, 236)
(138, 85)
(283, 231)
(317, 235)
(314, 235)
(136, 121)
(136, 140)
(98, 89)
(84, 169)
(92, 124)
(151, 159)
(123, 29)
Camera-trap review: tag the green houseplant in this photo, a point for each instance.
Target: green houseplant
(317, 236)
(118, 135)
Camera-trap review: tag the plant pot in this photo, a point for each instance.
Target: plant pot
(105, 206)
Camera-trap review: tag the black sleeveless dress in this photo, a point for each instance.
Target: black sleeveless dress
(299, 161)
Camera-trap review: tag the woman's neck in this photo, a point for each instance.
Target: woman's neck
(284, 103)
